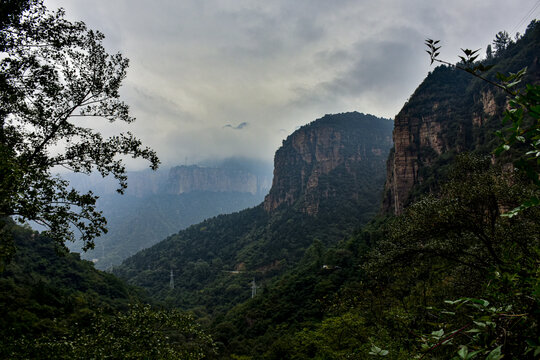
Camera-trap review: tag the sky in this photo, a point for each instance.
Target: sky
(212, 79)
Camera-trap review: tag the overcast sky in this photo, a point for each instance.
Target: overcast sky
(221, 78)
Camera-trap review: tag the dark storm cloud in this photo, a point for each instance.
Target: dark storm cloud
(379, 67)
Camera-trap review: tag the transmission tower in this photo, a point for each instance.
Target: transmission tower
(171, 282)
(253, 288)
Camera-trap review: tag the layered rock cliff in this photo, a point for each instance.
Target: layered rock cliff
(184, 179)
(450, 112)
(328, 160)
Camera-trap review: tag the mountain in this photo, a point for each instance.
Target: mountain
(416, 277)
(157, 204)
(451, 112)
(328, 180)
(185, 179)
(326, 160)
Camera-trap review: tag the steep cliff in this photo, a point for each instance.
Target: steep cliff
(450, 112)
(328, 160)
(184, 179)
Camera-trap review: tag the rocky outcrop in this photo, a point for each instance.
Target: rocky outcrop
(437, 120)
(450, 112)
(328, 159)
(185, 179)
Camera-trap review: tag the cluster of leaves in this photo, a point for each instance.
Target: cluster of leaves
(139, 333)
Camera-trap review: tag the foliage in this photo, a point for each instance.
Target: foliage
(141, 333)
(39, 286)
(523, 133)
(462, 222)
(62, 308)
(56, 83)
(501, 42)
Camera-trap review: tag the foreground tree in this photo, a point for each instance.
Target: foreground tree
(478, 269)
(57, 83)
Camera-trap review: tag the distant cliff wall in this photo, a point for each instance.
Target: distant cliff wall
(184, 179)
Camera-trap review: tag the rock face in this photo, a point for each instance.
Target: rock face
(184, 179)
(422, 133)
(450, 112)
(328, 160)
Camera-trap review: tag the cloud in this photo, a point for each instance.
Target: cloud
(275, 65)
(238, 127)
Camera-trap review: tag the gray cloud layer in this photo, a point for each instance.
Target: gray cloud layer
(275, 65)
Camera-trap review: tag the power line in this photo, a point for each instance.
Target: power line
(526, 17)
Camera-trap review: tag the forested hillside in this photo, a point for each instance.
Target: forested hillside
(335, 165)
(53, 305)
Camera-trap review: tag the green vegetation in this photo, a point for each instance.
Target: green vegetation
(52, 72)
(450, 278)
(60, 307)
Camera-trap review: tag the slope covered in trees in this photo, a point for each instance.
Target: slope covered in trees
(55, 306)
(452, 111)
(335, 165)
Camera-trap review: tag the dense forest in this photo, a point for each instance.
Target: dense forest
(442, 263)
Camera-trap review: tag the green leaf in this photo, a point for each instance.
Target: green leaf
(438, 333)
(495, 354)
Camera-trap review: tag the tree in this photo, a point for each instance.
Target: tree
(55, 79)
(489, 53)
(462, 223)
(139, 333)
(501, 42)
(487, 261)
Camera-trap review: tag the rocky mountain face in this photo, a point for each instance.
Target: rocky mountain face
(316, 160)
(179, 180)
(450, 112)
(184, 179)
